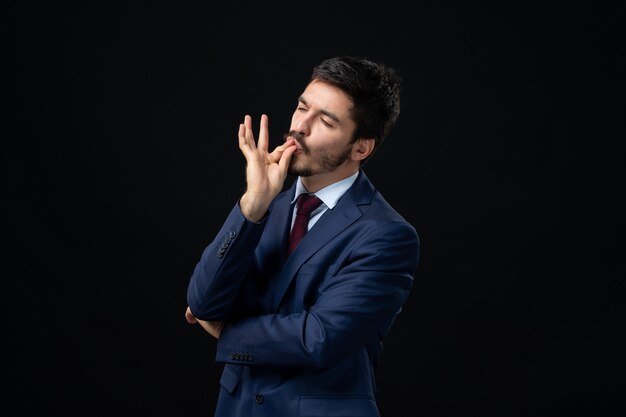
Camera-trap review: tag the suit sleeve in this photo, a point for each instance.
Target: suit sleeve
(214, 289)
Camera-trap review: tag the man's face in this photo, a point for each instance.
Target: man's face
(322, 128)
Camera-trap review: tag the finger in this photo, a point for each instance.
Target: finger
(264, 140)
(246, 140)
(241, 134)
(286, 144)
(249, 134)
(285, 158)
(278, 151)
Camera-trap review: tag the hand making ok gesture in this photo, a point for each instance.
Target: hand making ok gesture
(265, 172)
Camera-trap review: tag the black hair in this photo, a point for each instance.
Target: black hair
(374, 89)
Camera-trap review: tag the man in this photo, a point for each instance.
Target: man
(300, 330)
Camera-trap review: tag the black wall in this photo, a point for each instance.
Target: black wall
(120, 160)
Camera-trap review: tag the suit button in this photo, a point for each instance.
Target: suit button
(258, 398)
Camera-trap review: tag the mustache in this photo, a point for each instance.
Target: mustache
(299, 137)
(293, 134)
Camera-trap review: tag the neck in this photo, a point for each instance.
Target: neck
(314, 183)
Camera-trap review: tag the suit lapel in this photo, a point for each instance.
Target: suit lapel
(278, 226)
(272, 251)
(326, 228)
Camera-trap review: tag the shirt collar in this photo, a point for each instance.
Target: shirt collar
(329, 194)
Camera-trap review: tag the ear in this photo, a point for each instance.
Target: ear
(362, 148)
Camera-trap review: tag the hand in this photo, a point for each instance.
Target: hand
(265, 172)
(214, 328)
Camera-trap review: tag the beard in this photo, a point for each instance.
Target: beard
(322, 162)
(319, 163)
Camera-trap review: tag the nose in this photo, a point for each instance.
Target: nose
(301, 123)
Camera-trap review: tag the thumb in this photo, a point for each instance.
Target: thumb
(285, 158)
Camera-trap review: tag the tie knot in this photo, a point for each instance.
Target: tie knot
(307, 203)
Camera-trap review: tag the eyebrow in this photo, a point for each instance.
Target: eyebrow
(324, 112)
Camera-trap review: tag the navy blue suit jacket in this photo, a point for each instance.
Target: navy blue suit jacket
(305, 332)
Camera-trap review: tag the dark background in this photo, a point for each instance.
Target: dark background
(120, 160)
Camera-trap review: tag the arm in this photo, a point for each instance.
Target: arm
(214, 288)
(355, 306)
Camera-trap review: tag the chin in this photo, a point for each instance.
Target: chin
(299, 170)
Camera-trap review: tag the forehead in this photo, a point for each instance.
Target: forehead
(327, 97)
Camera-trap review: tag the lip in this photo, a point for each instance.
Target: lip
(295, 141)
